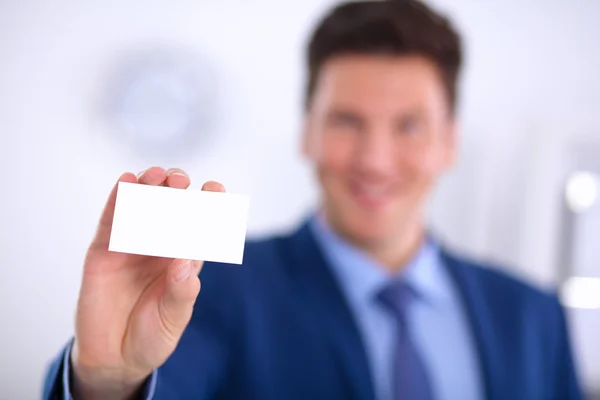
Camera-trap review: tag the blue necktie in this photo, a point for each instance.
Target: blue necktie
(410, 377)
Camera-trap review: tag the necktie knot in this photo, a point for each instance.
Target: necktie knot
(396, 298)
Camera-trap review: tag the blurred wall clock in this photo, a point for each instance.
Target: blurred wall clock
(163, 102)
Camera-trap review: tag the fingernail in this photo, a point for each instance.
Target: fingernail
(184, 271)
(198, 265)
(178, 173)
(139, 175)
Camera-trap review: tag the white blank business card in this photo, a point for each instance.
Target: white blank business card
(177, 223)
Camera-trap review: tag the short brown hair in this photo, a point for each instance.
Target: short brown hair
(389, 27)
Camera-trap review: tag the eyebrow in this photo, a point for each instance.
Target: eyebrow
(343, 112)
(337, 111)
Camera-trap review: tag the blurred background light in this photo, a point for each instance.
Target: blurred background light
(581, 191)
(581, 292)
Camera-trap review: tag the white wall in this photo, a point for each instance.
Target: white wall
(530, 62)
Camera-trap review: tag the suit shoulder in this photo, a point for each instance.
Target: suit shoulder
(261, 250)
(495, 280)
(231, 292)
(261, 256)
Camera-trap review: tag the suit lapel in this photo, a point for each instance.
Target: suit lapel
(323, 299)
(481, 318)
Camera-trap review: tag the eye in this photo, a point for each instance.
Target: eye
(409, 126)
(345, 121)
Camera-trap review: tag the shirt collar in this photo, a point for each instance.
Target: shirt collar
(361, 277)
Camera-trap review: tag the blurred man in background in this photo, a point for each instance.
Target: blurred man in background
(361, 302)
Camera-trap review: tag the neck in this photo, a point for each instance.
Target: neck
(395, 251)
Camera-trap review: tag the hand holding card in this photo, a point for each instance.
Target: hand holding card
(136, 299)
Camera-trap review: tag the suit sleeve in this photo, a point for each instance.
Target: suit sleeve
(52, 388)
(567, 385)
(57, 381)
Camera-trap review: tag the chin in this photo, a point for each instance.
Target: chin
(366, 229)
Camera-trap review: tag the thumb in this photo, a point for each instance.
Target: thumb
(182, 288)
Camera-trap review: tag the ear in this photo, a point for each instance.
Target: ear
(451, 145)
(307, 137)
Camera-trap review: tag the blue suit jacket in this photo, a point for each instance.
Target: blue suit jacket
(278, 327)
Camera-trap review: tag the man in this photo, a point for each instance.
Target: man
(360, 302)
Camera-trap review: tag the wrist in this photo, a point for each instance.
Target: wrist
(93, 383)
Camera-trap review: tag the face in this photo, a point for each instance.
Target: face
(380, 133)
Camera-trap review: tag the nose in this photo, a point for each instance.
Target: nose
(375, 153)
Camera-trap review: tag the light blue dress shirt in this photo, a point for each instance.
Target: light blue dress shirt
(437, 321)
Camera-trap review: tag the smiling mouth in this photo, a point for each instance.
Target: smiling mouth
(371, 196)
